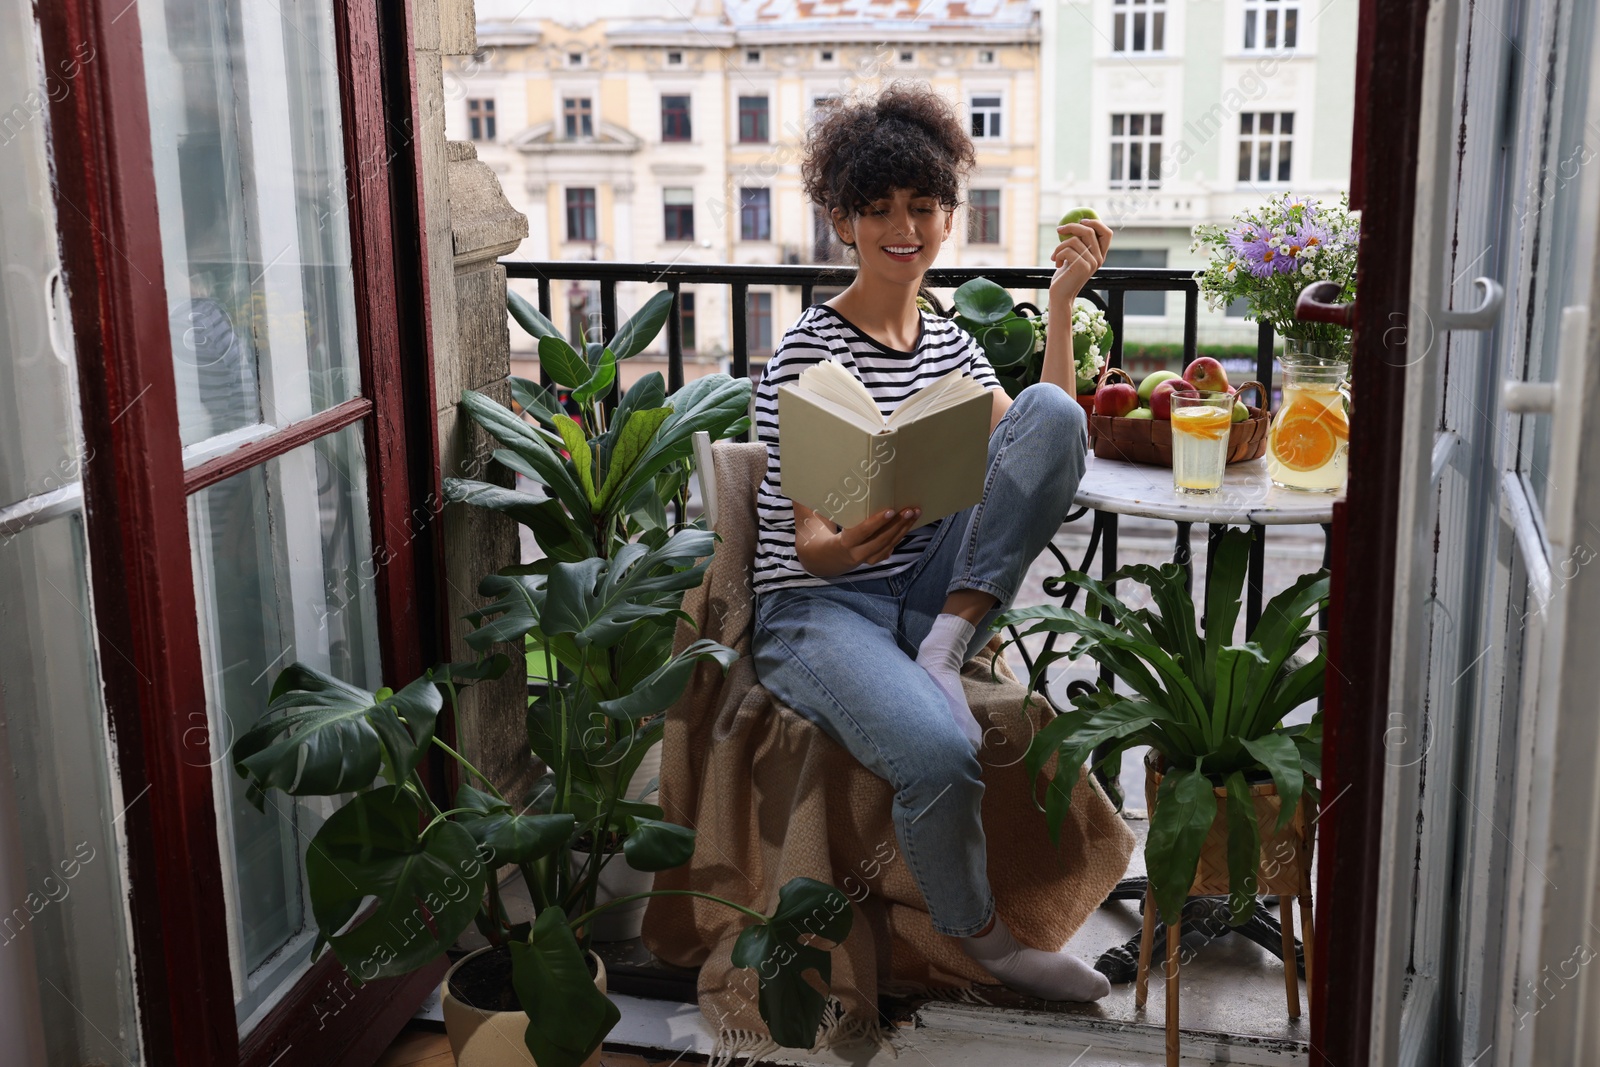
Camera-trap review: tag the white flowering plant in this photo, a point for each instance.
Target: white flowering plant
(1014, 339)
(1268, 255)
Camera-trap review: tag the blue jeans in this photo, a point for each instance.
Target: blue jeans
(843, 654)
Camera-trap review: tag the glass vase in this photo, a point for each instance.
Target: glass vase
(1308, 445)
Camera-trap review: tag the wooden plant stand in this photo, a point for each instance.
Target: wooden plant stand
(1285, 872)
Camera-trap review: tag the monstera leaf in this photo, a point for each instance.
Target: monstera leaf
(507, 836)
(323, 737)
(568, 1017)
(427, 885)
(791, 1006)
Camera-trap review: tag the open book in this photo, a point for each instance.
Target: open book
(845, 461)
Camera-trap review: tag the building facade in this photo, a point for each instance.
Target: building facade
(1170, 113)
(629, 136)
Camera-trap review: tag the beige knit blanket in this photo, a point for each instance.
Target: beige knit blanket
(772, 798)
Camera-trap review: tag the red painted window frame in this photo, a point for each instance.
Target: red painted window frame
(675, 123)
(136, 504)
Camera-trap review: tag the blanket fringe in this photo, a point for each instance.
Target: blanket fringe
(963, 994)
(836, 1028)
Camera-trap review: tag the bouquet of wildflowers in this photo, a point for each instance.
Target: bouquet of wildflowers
(1268, 255)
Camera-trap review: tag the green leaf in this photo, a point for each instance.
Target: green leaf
(512, 838)
(428, 887)
(1185, 809)
(536, 401)
(529, 317)
(563, 363)
(982, 301)
(582, 458)
(661, 690)
(597, 601)
(568, 1016)
(653, 845)
(518, 601)
(1296, 685)
(791, 1006)
(543, 461)
(715, 403)
(547, 520)
(1280, 757)
(632, 440)
(643, 326)
(1244, 848)
(1007, 342)
(1224, 583)
(1236, 665)
(1174, 628)
(600, 382)
(466, 672)
(321, 737)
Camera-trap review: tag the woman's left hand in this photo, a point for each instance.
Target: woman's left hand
(1082, 251)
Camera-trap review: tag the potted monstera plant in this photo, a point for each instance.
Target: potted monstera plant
(1210, 709)
(395, 874)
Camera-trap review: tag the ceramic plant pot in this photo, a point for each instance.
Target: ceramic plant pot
(480, 1038)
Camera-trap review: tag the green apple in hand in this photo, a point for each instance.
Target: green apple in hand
(1077, 214)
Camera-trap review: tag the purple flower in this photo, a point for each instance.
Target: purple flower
(1309, 235)
(1262, 258)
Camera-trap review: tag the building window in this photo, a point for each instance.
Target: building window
(1136, 151)
(1266, 145)
(983, 217)
(678, 205)
(758, 324)
(986, 116)
(986, 56)
(908, 57)
(1137, 303)
(580, 215)
(578, 112)
(755, 214)
(674, 59)
(574, 59)
(480, 120)
(1270, 24)
(1138, 25)
(825, 55)
(752, 119)
(686, 319)
(752, 55)
(675, 118)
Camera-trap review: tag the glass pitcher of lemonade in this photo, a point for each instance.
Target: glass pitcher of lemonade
(1308, 445)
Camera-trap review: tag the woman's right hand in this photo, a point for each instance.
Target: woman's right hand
(826, 551)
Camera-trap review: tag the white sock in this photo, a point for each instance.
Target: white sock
(941, 654)
(1046, 975)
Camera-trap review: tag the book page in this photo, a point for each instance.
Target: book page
(948, 391)
(830, 379)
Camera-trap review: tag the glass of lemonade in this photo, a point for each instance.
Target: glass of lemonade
(1309, 443)
(1200, 429)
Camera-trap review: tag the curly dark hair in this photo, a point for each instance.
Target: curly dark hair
(909, 137)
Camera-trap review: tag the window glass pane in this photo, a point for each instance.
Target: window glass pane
(1140, 303)
(1264, 162)
(1138, 31)
(1247, 120)
(1116, 163)
(1155, 161)
(69, 907)
(1238, 308)
(1119, 31)
(1244, 160)
(1158, 30)
(1290, 18)
(1155, 125)
(1116, 125)
(1285, 151)
(1270, 24)
(678, 196)
(1136, 125)
(283, 571)
(38, 445)
(1249, 29)
(250, 184)
(1286, 122)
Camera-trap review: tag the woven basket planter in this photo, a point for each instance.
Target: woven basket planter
(1284, 872)
(1150, 440)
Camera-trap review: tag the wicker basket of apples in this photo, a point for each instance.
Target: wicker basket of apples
(1133, 422)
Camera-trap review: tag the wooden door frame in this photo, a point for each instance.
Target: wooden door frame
(136, 506)
(1366, 533)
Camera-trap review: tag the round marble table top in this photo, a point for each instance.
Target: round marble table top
(1247, 495)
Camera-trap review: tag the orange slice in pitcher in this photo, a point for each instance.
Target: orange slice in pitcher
(1306, 435)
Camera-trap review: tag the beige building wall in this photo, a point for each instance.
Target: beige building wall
(624, 61)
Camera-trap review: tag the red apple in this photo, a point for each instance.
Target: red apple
(1116, 399)
(1207, 375)
(1161, 396)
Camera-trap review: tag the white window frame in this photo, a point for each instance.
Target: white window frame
(1276, 142)
(1127, 14)
(1121, 164)
(1253, 35)
(996, 114)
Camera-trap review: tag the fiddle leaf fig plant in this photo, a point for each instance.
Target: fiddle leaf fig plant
(1212, 709)
(396, 875)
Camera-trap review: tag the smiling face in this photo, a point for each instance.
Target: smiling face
(897, 237)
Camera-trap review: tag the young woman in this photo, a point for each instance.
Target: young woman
(864, 630)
